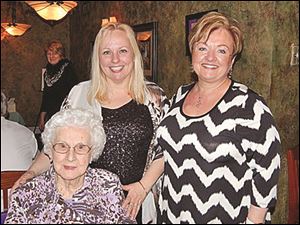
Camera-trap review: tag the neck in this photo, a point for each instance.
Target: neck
(119, 84)
(118, 91)
(210, 87)
(67, 188)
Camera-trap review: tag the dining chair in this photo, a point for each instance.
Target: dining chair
(8, 178)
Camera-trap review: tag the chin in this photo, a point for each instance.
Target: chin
(71, 176)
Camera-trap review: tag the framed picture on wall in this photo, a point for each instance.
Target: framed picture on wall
(146, 35)
(190, 21)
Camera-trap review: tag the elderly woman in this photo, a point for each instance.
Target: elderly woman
(70, 191)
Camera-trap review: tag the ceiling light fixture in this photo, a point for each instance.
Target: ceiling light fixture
(111, 19)
(52, 10)
(13, 28)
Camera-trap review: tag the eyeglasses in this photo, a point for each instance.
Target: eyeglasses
(80, 149)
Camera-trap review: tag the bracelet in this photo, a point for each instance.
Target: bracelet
(248, 221)
(143, 187)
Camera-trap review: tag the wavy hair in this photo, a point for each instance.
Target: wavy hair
(76, 118)
(213, 21)
(57, 47)
(137, 85)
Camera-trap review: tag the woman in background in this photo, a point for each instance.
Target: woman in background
(59, 78)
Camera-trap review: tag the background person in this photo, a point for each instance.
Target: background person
(221, 146)
(70, 191)
(18, 144)
(13, 115)
(59, 78)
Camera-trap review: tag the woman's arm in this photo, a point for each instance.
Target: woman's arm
(138, 191)
(42, 120)
(256, 214)
(16, 211)
(154, 172)
(39, 165)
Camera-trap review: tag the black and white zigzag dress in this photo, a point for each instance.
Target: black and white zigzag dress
(219, 163)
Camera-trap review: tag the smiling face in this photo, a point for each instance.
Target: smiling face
(71, 166)
(116, 56)
(213, 59)
(53, 57)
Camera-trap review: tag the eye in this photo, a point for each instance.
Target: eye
(61, 146)
(123, 51)
(106, 52)
(201, 49)
(222, 51)
(80, 146)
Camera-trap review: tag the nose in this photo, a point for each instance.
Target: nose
(71, 155)
(115, 58)
(211, 55)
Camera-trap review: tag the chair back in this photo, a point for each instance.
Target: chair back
(293, 185)
(8, 178)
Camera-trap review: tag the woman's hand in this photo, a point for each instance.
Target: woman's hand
(135, 197)
(23, 179)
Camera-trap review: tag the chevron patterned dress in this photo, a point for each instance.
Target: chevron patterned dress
(218, 164)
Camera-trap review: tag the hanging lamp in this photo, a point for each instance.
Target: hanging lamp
(13, 28)
(52, 10)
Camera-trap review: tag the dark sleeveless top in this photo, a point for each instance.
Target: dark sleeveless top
(129, 130)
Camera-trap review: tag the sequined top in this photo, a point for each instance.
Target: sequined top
(128, 131)
(157, 104)
(97, 202)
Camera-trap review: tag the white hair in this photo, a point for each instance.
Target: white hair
(3, 104)
(76, 118)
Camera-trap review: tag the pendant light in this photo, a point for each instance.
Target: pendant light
(52, 10)
(111, 19)
(13, 28)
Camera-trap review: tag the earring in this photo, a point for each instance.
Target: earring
(192, 68)
(230, 74)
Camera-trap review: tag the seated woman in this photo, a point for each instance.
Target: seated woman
(70, 191)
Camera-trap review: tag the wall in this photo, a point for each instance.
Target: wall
(270, 28)
(22, 58)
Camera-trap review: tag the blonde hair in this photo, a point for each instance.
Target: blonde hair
(137, 85)
(57, 47)
(213, 21)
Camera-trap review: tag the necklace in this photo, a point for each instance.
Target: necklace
(199, 100)
(50, 80)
